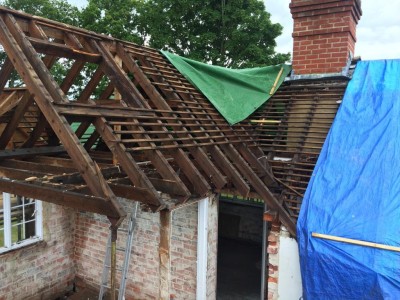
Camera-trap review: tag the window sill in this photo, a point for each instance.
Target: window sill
(25, 245)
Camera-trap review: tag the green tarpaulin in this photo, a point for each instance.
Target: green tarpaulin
(235, 93)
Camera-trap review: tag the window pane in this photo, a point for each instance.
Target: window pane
(15, 201)
(16, 233)
(29, 211)
(22, 218)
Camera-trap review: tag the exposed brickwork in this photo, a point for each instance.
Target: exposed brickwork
(143, 278)
(273, 261)
(46, 269)
(91, 237)
(74, 245)
(184, 252)
(324, 34)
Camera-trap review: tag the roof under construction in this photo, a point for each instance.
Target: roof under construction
(151, 132)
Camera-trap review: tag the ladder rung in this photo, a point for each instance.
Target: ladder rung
(118, 248)
(117, 268)
(127, 249)
(108, 287)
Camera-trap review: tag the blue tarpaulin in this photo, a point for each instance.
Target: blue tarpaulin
(354, 193)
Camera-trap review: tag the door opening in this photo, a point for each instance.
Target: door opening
(240, 249)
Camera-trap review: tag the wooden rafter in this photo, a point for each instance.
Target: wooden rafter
(35, 77)
(162, 133)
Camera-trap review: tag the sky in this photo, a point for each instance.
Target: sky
(378, 32)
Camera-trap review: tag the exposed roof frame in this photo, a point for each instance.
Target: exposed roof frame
(161, 118)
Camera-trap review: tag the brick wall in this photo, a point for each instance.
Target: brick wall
(143, 278)
(273, 261)
(74, 245)
(324, 34)
(184, 252)
(46, 269)
(284, 276)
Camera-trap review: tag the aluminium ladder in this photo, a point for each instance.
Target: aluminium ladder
(127, 255)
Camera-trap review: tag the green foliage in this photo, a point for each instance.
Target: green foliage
(114, 17)
(57, 10)
(230, 33)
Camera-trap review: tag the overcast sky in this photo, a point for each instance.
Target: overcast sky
(378, 32)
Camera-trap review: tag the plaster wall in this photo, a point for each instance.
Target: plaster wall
(289, 280)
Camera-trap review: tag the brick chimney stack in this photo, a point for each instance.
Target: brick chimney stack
(324, 34)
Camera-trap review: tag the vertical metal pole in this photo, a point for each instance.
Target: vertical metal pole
(113, 261)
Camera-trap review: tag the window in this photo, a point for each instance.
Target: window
(20, 221)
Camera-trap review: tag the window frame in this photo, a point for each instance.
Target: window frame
(7, 226)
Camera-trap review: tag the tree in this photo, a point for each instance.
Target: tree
(117, 18)
(230, 33)
(57, 10)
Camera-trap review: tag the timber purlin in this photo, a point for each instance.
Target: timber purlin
(291, 129)
(154, 133)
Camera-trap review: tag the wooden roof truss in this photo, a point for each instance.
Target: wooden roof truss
(154, 133)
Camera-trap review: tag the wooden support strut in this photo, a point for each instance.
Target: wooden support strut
(40, 83)
(26, 101)
(127, 162)
(204, 162)
(59, 197)
(155, 157)
(355, 242)
(164, 250)
(219, 158)
(121, 81)
(258, 185)
(181, 158)
(5, 72)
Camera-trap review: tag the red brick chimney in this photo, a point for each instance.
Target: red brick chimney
(324, 34)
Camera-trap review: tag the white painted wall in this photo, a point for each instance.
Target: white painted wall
(202, 247)
(289, 283)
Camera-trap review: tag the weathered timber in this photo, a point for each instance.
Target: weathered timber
(156, 113)
(159, 161)
(31, 152)
(98, 111)
(59, 197)
(9, 102)
(91, 86)
(37, 167)
(180, 157)
(119, 79)
(219, 157)
(127, 162)
(5, 72)
(164, 250)
(35, 82)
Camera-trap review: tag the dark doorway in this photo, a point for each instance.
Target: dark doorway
(240, 232)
